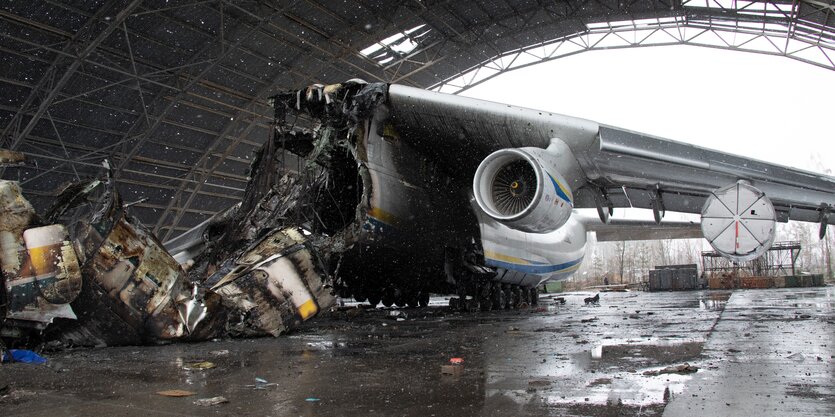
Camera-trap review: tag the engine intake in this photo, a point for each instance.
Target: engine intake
(523, 188)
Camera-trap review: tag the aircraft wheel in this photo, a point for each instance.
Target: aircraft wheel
(515, 297)
(388, 297)
(471, 305)
(534, 297)
(360, 298)
(454, 303)
(485, 300)
(497, 296)
(423, 299)
(412, 301)
(524, 298)
(374, 300)
(508, 297)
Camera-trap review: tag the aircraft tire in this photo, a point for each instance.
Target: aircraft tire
(516, 297)
(508, 297)
(423, 299)
(497, 296)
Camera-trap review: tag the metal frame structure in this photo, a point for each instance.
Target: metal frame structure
(173, 93)
(779, 260)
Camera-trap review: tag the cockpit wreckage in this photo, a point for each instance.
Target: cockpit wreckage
(383, 193)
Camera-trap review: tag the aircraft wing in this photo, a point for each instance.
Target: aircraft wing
(617, 167)
(627, 229)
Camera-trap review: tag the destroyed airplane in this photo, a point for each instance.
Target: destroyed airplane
(107, 280)
(384, 193)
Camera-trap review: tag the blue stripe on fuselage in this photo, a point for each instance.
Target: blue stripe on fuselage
(532, 269)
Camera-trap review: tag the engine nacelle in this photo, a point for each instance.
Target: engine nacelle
(524, 188)
(739, 222)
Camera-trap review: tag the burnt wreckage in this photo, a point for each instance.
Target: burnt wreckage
(391, 224)
(313, 223)
(385, 222)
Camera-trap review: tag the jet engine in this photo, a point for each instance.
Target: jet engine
(524, 189)
(739, 221)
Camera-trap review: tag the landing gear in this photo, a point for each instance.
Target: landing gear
(534, 293)
(484, 300)
(423, 299)
(497, 296)
(524, 298)
(388, 297)
(508, 296)
(412, 301)
(493, 296)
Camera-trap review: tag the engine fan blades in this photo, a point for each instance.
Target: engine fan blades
(514, 187)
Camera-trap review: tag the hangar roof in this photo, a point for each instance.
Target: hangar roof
(173, 93)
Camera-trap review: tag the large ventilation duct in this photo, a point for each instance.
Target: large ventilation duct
(739, 222)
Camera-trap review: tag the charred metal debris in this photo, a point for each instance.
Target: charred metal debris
(87, 273)
(332, 207)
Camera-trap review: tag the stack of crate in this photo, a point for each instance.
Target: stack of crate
(674, 278)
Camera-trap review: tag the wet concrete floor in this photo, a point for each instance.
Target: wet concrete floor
(758, 352)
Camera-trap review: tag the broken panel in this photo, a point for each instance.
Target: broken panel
(134, 291)
(273, 285)
(40, 270)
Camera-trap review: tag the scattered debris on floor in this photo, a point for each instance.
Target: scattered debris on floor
(455, 367)
(679, 369)
(539, 383)
(208, 402)
(176, 393)
(200, 365)
(22, 356)
(453, 370)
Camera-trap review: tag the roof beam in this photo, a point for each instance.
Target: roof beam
(91, 46)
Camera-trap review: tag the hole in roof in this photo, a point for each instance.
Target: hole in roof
(395, 46)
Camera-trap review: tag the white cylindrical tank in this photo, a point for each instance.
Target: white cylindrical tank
(739, 221)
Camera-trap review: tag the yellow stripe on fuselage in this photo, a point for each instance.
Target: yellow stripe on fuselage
(383, 216)
(569, 269)
(505, 258)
